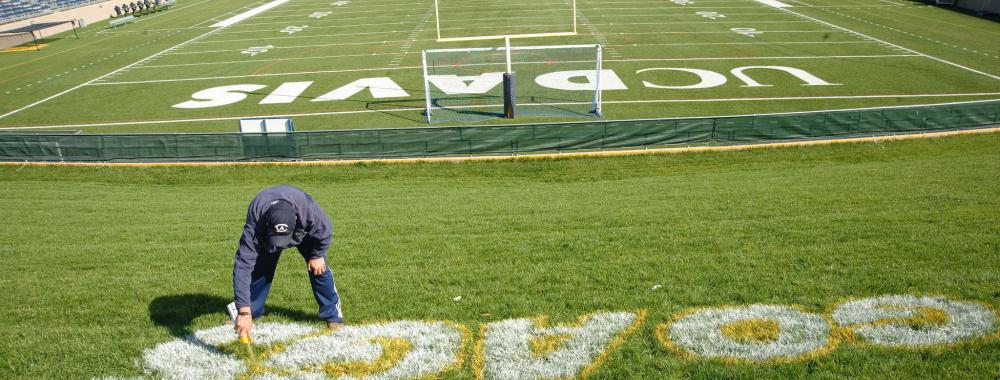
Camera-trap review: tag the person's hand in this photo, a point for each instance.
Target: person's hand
(316, 266)
(244, 323)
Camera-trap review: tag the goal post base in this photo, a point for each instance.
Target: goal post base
(509, 96)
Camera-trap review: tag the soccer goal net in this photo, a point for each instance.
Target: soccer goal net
(467, 85)
(468, 20)
(9, 40)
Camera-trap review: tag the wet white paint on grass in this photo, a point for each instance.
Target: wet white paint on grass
(903, 320)
(434, 347)
(701, 334)
(508, 354)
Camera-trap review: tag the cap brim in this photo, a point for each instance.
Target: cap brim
(280, 240)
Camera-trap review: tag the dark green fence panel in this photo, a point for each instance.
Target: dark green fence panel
(491, 140)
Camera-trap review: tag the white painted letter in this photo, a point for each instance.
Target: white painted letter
(709, 79)
(456, 85)
(773, 333)
(911, 321)
(811, 80)
(199, 357)
(396, 350)
(560, 80)
(380, 88)
(525, 349)
(219, 96)
(286, 93)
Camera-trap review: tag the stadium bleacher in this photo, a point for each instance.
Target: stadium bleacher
(16, 10)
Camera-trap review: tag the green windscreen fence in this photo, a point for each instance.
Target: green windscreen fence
(493, 140)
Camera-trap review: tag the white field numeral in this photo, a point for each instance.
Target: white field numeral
(710, 15)
(749, 32)
(294, 29)
(682, 2)
(340, 3)
(320, 14)
(252, 51)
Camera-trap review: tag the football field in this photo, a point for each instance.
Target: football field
(337, 64)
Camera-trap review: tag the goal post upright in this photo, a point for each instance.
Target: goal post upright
(427, 88)
(574, 16)
(508, 80)
(448, 73)
(597, 82)
(437, 19)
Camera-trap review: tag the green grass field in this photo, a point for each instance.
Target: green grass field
(104, 266)
(870, 53)
(102, 263)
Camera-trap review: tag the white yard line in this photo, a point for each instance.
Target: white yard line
(257, 75)
(411, 39)
(301, 36)
(106, 75)
(298, 46)
(418, 67)
(249, 14)
(948, 44)
(216, 18)
(148, 17)
(125, 68)
(176, 121)
(774, 3)
(605, 60)
(763, 58)
(892, 44)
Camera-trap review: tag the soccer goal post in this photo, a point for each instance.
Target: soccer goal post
(474, 84)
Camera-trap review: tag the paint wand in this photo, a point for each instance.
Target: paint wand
(246, 340)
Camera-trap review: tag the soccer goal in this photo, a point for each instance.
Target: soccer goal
(471, 20)
(474, 84)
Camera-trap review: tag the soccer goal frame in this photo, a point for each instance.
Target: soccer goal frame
(437, 23)
(510, 93)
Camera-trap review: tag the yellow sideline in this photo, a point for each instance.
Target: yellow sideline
(613, 153)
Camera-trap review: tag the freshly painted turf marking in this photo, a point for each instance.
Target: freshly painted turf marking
(774, 3)
(892, 44)
(715, 333)
(524, 348)
(911, 321)
(415, 108)
(248, 14)
(198, 356)
(427, 349)
(530, 349)
(394, 350)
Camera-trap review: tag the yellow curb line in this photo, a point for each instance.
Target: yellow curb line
(616, 153)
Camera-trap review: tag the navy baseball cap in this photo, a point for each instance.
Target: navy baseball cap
(280, 222)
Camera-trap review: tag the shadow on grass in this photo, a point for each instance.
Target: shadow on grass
(178, 312)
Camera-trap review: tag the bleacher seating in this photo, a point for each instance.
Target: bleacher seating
(16, 10)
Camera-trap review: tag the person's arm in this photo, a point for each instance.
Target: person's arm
(246, 257)
(318, 241)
